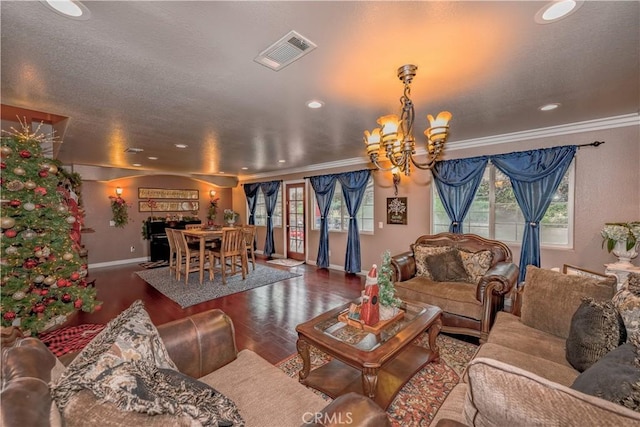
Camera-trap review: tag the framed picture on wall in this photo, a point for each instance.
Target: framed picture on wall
(167, 193)
(397, 210)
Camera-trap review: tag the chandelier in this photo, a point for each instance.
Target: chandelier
(394, 141)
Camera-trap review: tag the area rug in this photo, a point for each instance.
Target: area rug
(71, 338)
(154, 264)
(419, 400)
(285, 262)
(194, 293)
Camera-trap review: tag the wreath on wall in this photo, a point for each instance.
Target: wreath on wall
(119, 211)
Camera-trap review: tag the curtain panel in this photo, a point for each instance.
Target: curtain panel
(251, 193)
(354, 185)
(324, 186)
(270, 191)
(457, 182)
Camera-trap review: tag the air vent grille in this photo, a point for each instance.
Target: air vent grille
(285, 51)
(133, 150)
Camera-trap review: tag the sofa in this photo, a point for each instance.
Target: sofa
(466, 275)
(522, 377)
(203, 347)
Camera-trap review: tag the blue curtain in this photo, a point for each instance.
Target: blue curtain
(535, 176)
(324, 186)
(270, 191)
(353, 188)
(251, 193)
(457, 182)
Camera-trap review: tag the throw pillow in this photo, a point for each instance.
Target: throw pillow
(119, 365)
(420, 254)
(627, 301)
(615, 377)
(447, 267)
(596, 329)
(476, 264)
(550, 298)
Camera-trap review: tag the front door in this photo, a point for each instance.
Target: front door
(295, 221)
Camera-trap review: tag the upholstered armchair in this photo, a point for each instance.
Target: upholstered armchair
(466, 275)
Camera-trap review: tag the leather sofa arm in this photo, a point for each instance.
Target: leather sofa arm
(500, 279)
(26, 372)
(351, 409)
(404, 266)
(200, 343)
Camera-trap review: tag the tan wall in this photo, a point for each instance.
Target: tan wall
(607, 189)
(109, 244)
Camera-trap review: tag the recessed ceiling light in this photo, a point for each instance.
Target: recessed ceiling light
(549, 107)
(282, 161)
(136, 164)
(68, 8)
(245, 168)
(315, 104)
(181, 145)
(221, 172)
(557, 10)
(152, 158)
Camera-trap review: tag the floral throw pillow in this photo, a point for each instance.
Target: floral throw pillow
(420, 254)
(627, 301)
(476, 263)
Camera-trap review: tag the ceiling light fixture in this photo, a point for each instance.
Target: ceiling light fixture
(181, 145)
(245, 168)
(394, 140)
(136, 164)
(313, 104)
(68, 8)
(549, 107)
(282, 161)
(557, 10)
(152, 158)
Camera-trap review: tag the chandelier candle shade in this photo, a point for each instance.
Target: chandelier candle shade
(394, 141)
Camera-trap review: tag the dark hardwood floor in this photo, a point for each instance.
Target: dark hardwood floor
(265, 318)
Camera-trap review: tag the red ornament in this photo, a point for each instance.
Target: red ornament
(52, 257)
(78, 303)
(9, 315)
(50, 300)
(44, 292)
(36, 291)
(66, 298)
(62, 283)
(43, 173)
(74, 276)
(25, 154)
(98, 307)
(30, 263)
(15, 203)
(40, 190)
(39, 308)
(3, 165)
(11, 233)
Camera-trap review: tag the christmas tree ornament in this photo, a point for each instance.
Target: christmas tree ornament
(46, 251)
(30, 263)
(74, 276)
(49, 280)
(11, 250)
(45, 165)
(3, 165)
(18, 295)
(9, 315)
(7, 222)
(77, 303)
(28, 234)
(66, 298)
(71, 219)
(19, 171)
(38, 279)
(29, 185)
(53, 169)
(10, 233)
(5, 151)
(40, 191)
(67, 256)
(39, 308)
(29, 206)
(15, 185)
(25, 154)
(61, 209)
(15, 203)
(43, 173)
(38, 253)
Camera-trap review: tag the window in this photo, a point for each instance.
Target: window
(338, 215)
(495, 214)
(260, 215)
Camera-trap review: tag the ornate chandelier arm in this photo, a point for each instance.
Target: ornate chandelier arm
(374, 160)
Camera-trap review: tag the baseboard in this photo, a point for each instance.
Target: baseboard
(118, 262)
(336, 267)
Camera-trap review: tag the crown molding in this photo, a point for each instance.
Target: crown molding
(566, 129)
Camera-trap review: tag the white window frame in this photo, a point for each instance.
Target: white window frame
(260, 215)
(571, 172)
(344, 218)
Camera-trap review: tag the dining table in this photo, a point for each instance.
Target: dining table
(203, 235)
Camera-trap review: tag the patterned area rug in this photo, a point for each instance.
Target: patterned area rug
(154, 264)
(419, 400)
(194, 293)
(285, 262)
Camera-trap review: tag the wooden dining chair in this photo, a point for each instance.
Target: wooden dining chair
(191, 239)
(232, 248)
(249, 233)
(173, 252)
(190, 257)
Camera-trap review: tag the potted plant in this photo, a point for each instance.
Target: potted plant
(389, 303)
(621, 238)
(213, 209)
(230, 216)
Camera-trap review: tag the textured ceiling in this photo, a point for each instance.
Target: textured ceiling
(152, 74)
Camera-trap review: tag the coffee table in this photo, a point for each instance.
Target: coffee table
(378, 364)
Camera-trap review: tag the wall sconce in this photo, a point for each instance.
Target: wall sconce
(396, 180)
(212, 193)
(118, 191)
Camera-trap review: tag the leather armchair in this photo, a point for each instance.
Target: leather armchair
(468, 309)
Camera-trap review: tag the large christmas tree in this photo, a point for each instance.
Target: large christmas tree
(42, 277)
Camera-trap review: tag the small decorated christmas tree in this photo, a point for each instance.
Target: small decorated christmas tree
(43, 280)
(385, 282)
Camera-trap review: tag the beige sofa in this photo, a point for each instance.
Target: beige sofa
(201, 346)
(520, 376)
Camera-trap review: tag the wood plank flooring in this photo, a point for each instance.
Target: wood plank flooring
(264, 318)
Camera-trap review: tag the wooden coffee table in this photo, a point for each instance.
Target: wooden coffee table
(377, 365)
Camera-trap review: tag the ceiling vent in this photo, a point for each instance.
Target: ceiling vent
(288, 49)
(133, 150)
